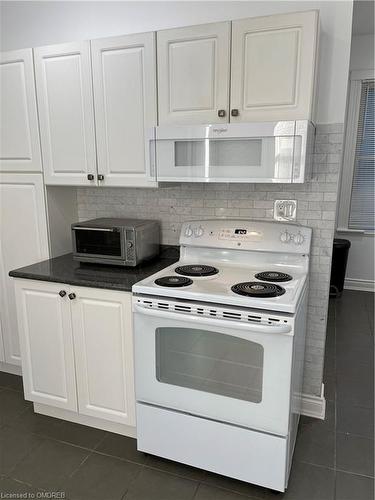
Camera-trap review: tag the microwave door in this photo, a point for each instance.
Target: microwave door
(97, 242)
(242, 159)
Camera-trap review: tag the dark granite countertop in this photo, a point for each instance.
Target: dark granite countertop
(64, 269)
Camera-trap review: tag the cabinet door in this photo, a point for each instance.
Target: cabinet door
(23, 241)
(64, 89)
(102, 329)
(193, 74)
(124, 77)
(19, 131)
(273, 66)
(46, 343)
(2, 354)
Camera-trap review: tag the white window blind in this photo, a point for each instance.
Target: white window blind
(362, 204)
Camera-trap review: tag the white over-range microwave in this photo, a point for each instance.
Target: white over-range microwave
(278, 152)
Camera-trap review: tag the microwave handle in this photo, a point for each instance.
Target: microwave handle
(255, 327)
(107, 230)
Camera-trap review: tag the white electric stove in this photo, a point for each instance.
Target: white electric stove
(219, 349)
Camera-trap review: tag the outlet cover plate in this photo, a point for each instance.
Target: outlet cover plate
(285, 210)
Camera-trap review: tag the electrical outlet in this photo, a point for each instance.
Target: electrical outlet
(285, 210)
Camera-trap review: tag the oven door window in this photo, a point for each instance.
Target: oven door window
(211, 362)
(93, 242)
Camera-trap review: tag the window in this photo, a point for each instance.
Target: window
(357, 206)
(361, 214)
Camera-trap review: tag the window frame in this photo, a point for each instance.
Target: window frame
(350, 143)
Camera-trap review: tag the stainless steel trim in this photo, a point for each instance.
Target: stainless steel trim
(107, 230)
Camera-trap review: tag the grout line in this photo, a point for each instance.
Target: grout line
(335, 398)
(355, 474)
(350, 434)
(79, 466)
(133, 481)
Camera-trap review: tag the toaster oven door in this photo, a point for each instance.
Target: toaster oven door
(101, 244)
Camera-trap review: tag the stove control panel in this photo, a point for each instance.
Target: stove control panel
(193, 231)
(288, 237)
(241, 234)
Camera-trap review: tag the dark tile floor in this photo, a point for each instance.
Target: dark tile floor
(333, 458)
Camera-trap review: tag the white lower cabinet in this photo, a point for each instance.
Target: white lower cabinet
(2, 354)
(46, 340)
(102, 331)
(77, 349)
(23, 241)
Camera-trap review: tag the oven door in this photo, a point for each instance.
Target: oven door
(256, 152)
(228, 371)
(97, 243)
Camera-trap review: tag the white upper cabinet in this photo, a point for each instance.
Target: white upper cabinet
(19, 131)
(103, 344)
(66, 114)
(124, 77)
(271, 75)
(23, 241)
(273, 67)
(193, 74)
(46, 343)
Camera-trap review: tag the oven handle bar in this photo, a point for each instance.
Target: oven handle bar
(278, 329)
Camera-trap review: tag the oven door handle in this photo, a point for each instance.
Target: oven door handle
(254, 327)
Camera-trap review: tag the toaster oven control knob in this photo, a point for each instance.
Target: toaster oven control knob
(188, 232)
(198, 232)
(285, 237)
(299, 239)
(129, 244)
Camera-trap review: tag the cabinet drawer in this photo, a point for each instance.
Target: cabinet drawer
(260, 458)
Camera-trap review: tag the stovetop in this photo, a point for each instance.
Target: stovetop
(254, 264)
(218, 288)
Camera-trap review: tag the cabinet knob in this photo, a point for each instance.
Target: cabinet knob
(221, 113)
(234, 112)
(100, 177)
(72, 296)
(62, 293)
(90, 177)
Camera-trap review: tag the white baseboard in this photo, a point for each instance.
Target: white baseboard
(314, 406)
(363, 285)
(8, 368)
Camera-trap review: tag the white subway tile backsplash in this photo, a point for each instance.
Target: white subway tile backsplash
(316, 207)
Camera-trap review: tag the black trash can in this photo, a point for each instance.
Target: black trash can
(339, 261)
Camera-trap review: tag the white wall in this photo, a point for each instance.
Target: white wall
(360, 271)
(362, 52)
(29, 24)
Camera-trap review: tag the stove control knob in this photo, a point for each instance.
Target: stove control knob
(285, 237)
(298, 239)
(198, 232)
(188, 232)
